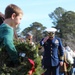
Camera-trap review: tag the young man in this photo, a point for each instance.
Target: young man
(52, 47)
(13, 16)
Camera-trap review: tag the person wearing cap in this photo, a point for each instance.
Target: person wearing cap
(53, 53)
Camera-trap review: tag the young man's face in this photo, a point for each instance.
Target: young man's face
(17, 20)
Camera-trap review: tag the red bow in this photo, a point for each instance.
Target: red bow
(33, 67)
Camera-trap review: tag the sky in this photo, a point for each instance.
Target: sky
(38, 10)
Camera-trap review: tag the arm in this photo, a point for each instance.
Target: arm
(8, 42)
(61, 51)
(44, 40)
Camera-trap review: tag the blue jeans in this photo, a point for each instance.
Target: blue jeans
(61, 74)
(73, 71)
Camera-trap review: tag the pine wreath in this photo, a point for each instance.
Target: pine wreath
(25, 64)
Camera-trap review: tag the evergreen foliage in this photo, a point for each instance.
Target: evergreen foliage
(25, 66)
(37, 30)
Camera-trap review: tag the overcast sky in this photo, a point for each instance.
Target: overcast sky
(38, 10)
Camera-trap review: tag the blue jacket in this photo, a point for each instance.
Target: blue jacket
(53, 52)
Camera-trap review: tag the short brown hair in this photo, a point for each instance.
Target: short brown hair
(10, 9)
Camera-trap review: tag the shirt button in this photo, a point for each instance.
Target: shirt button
(51, 51)
(51, 54)
(51, 45)
(51, 48)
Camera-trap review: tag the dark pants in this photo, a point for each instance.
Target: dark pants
(52, 71)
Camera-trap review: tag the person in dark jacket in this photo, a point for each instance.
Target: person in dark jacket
(53, 53)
